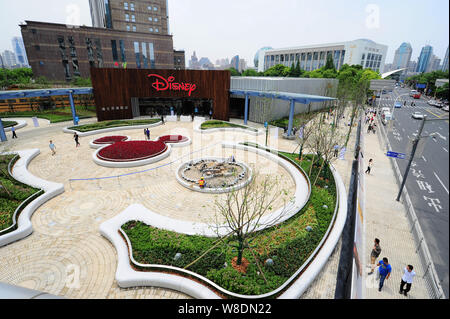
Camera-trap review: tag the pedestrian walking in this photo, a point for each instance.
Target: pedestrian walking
(369, 128)
(369, 167)
(376, 251)
(75, 137)
(162, 119)
(52, 147)
(210, 114)
(147, 134)
(336, 150)
(384, 270)
(13, 130)
(407, 279)
(192, 116)
(374, 128)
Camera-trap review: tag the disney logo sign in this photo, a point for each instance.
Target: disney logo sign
(163, 84)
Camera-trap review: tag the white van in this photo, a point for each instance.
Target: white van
(386, 117)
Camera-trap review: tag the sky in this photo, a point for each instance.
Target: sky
(222, 29)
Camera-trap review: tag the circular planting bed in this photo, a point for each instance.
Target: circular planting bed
(173, 139)
(220, 175)
(119, 151)
(110, 140)
(131, 151)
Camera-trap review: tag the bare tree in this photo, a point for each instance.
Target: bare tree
(245, 211)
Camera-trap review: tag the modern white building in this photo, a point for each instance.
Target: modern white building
(362, 51)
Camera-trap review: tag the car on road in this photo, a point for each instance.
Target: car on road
(385, 109)
(412, 93)
(432, 102)
(417, 95)
(417, 116)
(445, 108)
(386, 117)
(398, 105)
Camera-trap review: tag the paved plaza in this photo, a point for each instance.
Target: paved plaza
(67, 256)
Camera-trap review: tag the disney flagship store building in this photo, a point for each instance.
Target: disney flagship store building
(130, 93)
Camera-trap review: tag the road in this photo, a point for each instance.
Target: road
(428, 179)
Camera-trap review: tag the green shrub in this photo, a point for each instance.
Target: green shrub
(110, 124)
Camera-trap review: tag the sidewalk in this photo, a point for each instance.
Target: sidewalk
(386, 219)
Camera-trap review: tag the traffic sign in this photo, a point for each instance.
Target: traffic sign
(396, 155)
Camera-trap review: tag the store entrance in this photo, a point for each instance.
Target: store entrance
(160, 106)
(237, 107)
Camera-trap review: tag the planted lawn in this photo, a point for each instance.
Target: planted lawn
(221, 124)
(12, 193)
(110, 124)
(61, 114)
(8, 123)
(288, 244)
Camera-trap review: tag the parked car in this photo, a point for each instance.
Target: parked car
(445, 108)
(417, 116)
(432, 102)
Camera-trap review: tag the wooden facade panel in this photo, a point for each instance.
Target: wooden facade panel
(115, 87)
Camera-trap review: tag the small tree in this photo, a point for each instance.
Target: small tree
(243, 210)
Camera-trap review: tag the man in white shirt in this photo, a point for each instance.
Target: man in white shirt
(407, 279)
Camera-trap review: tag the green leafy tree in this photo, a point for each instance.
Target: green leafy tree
(250, 72)
(234, 72)
(278, 70)
(329, 65)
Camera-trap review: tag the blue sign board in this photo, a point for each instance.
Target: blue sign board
(265, 124)
(396, 155)
(421, 86)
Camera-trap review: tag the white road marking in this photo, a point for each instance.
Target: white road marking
(445, 149)
(440, 182)
(423, 157)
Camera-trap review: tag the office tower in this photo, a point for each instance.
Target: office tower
(424, 58)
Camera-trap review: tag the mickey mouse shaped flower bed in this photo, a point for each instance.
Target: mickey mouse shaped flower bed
(110, 139)
(172, 139)
(125, 153)
(131, 151)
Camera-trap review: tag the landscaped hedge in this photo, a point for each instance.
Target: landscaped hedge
(289, 244)
(14, 194)
(110, 124)
(221, 124)
(8, 123)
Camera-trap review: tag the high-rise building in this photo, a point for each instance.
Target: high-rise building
(260, 56)
(19, 50)
(9, 59)
(402, 56)
(445, 62)
(193, 62)
(235, 62)
(424, 58)
(434, 64)
(133, 16)
(412, 66)
(312, 57)
(179, 60)
(125, 34)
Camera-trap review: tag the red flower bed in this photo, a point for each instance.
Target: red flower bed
(110, 139)
(172, 138)
(131, 151)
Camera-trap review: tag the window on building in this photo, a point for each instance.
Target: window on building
(144, 55)
(128, 28)
(292, 57)
(277, 58)
(37, 47)
(156, 19)
(134, 28)
(149, 8)
(152, 56)
(150, 29)
(155, 8)
(125, 5)
(309, 56)
(127, 17)
(133, 18)
(316, 56)
(114, 50)
(363, 56)
(33, 31)
(138, 57)
(122, 51)
(282, 58)
(150, 19)
(156, 30)
(132, 6)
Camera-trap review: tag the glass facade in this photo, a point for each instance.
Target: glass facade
(114, 50)
(122, 51)
(144, 55)
(108, 18)
(152, 55)
(138, 57)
